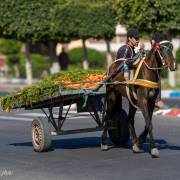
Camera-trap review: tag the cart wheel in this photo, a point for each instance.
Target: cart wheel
(41, 135)
(119, 135)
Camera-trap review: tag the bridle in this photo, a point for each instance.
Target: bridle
(168, 47)
(156, 47)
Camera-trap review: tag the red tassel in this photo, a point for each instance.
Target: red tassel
(155, 46)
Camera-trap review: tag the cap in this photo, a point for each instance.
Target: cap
(133, 33)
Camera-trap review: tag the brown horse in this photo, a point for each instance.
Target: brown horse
(158, 58)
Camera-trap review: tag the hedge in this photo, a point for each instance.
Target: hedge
(96, 59)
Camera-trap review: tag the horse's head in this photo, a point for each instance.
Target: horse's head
(164, 52)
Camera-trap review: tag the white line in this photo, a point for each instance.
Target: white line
(31, 119)
(161, 111)
(32, 114)
(43, 115)
(78, 117)
(71, 111)
(15, 118)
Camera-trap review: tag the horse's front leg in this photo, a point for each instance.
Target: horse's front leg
(147, 110)
(111, 98)
(131, 114)
(143, 135)
(154, 149)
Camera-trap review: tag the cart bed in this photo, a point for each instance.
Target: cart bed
(66, 98)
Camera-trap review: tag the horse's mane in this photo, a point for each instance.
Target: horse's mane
(160, 36)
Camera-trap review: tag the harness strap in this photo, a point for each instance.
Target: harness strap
(138, 69)
(129, 97)
(131, 78)
(144, 83)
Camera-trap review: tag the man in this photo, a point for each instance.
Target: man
(63, 59)
(127, 50)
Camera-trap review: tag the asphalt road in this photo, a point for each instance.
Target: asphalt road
(78, 156)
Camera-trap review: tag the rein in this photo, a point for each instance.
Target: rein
(151, 68)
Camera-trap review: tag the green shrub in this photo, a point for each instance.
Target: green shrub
(39, 64)
(11, 48)
(164, 73)
(96, 59)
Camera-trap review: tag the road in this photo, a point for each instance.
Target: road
(78, 156)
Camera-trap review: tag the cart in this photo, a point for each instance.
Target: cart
(87, 100)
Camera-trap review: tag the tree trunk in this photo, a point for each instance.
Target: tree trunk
(85, 56)
(54, 59)
(28, 64)
(108, 55)
(171, 75)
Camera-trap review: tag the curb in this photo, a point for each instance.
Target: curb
(168, 112)
(170, 93)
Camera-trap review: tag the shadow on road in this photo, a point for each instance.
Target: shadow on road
(72, 143)
(161, 144)
(94, 142)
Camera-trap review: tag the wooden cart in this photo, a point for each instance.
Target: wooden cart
(87, 100)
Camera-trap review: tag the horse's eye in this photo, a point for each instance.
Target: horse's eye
(171, 47)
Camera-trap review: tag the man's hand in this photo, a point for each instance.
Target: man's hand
(142, 52)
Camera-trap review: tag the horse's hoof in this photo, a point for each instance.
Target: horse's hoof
(155, 152)
(135, 148)
(104, 147)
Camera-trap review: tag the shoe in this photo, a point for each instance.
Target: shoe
(160, 105)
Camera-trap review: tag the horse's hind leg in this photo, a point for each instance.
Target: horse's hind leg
(111, 98)
(132, 111)
(142, 136)
(104, 144)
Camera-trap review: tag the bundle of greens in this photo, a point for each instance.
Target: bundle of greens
(51, 86)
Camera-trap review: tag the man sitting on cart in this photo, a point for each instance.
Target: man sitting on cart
(127, 51)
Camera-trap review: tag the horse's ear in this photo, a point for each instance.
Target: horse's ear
(155, 47)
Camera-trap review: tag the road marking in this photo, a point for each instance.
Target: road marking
(71, 114)
(43, 115)
(32, 114)
(31, 119)
(15, 118)
(161, 111)
(168, 112)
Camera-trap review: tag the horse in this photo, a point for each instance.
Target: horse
(159, 57)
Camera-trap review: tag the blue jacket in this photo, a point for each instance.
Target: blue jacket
(125, 51)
